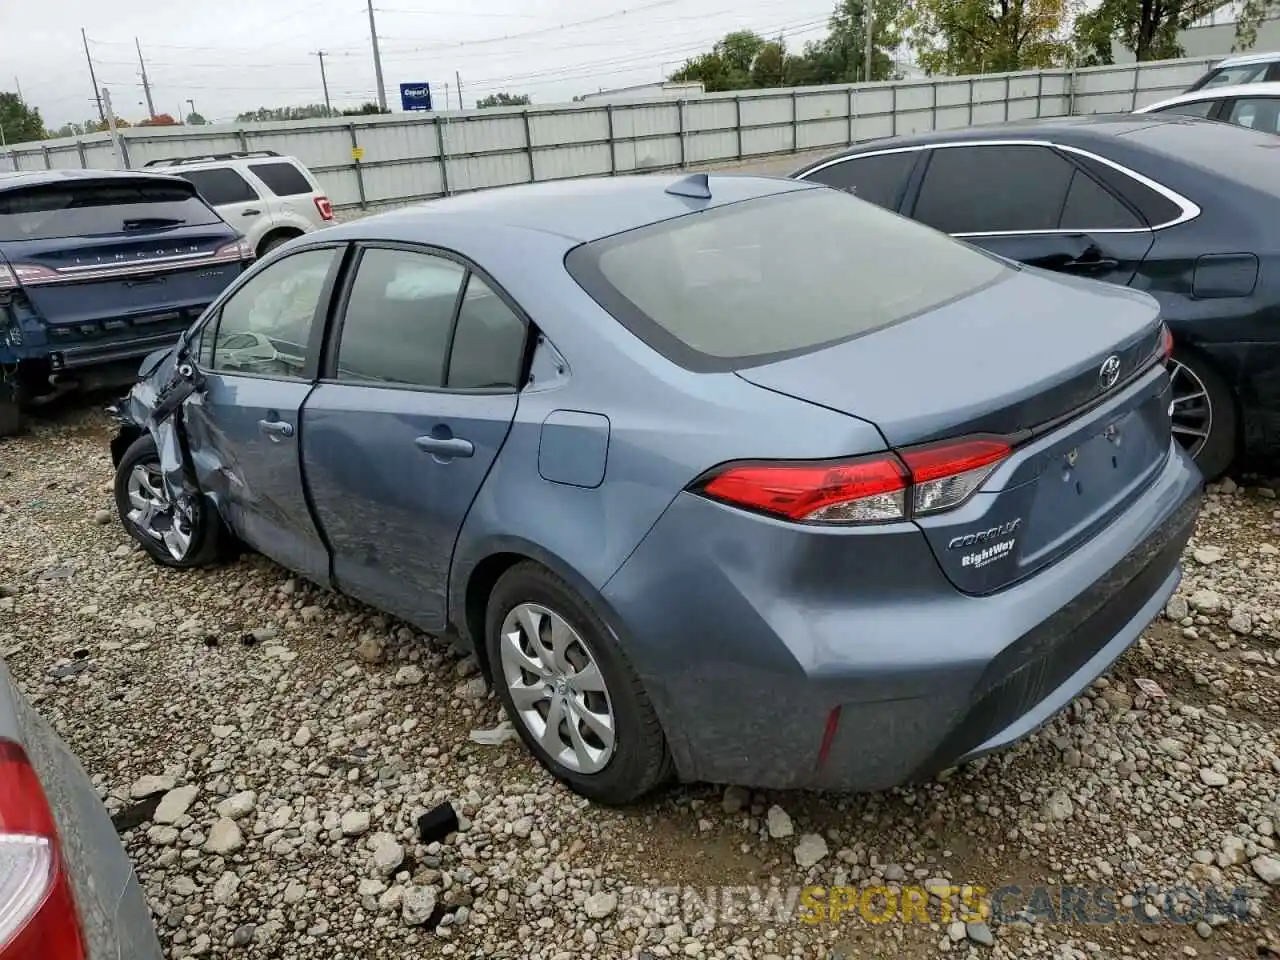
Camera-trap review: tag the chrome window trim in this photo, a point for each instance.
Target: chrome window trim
(155, 265)
(1188, 209)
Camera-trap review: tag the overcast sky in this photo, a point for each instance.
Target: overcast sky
(233, 55)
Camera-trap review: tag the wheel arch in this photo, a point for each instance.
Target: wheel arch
(276, 234)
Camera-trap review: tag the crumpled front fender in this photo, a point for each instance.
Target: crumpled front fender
(154, 406)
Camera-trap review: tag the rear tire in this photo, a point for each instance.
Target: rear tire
(546, 645)
(274, 240)
(197, 539)
(10, 417)
(1205, 419)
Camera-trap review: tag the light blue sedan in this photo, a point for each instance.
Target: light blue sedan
(740, 479)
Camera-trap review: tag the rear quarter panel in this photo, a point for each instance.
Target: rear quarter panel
(113, 912)
(665, 427)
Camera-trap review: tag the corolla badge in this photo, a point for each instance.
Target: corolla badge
(1109, 372)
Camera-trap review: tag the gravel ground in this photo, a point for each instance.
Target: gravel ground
(293, 737)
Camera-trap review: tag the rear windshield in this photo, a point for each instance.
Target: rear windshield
(755, 281)
(64, 210)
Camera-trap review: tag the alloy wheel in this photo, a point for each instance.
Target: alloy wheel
(557, 688)
(1192, 409)
(154, 513)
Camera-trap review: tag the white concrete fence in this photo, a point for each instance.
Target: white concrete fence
(378, 161)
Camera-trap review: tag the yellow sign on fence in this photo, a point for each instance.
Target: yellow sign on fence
(357, 154)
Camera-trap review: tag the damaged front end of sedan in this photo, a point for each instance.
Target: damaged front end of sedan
(155, 405)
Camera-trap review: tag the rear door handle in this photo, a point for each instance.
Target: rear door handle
(276, 429)
(251, 213)
(445, 446)
(1087, 264)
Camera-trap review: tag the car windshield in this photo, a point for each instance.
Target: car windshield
(754, 281)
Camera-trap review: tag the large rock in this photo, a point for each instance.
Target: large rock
(224, 837)
(149, 786)
(175, 804)
(811, 849)
(1206, 601)
(780, 824)
(238, 806)
(417, 904)
(355, 822)
(388, 854)
(1267, 868)
(600, 905)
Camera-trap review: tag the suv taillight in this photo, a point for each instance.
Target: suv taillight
(239, 250)
(12, 277)
(38, 919)
(915, 481)
(325, 208)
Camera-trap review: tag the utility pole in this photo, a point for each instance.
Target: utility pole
(18, 83)
(146, 84)
(457, 76)
(97, 97)
(377, 58)
(105, 103)
(869, 24)
(324, 82)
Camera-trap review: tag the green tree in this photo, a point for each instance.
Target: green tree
(365, 109)
(988, 36)
(769, 67)
(266, 114)
(18, 121)
(840, 57)
(196, 120)
(1149, 28)
(727, 66)
(504, 100)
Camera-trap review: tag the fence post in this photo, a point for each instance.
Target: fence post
(893, 111)
(351, 132)
(124, 151)
(971, 101)
(795, 122)
(84, 162)
(48, 164)
(1071, 94)
(680, 115)
(528, 145)
(1008, 92)
(244, 140)
(1039, 92)
(737, 121)
(444, 160)
(933, 114)
(1137, 74)
(613, 146)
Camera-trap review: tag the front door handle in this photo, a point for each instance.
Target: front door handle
(445, 447)
(276, 429)
(251, 213)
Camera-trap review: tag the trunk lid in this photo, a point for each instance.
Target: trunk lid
(1064, 368)
(105, 258)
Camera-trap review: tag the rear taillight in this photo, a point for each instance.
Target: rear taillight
(325, 207)
(915, 481)
(242, 249)
(37, 911)
(14, 276)
(1166, 342)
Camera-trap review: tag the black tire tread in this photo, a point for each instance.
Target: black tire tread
(656, 766)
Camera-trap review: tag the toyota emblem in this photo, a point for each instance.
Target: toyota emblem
(1109, 372)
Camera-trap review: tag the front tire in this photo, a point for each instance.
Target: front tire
(1204, 412)
(181, 536)
(569, 690)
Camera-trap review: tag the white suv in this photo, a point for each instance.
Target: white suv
(267, 197)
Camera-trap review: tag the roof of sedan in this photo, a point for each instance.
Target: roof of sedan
(1080, 130)
(35, 178)
(580, 210)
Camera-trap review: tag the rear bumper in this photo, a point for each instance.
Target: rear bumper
(94, 354)
(750, 649)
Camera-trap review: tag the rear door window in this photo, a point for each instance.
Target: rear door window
(880, 179)
(282, 179)
(1196, 108)
(754, 281)
(1090, 206)
(221, 186)
(76, 209)
(1230, 76)
(993, 189)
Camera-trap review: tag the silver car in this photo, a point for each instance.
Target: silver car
(67, 888)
